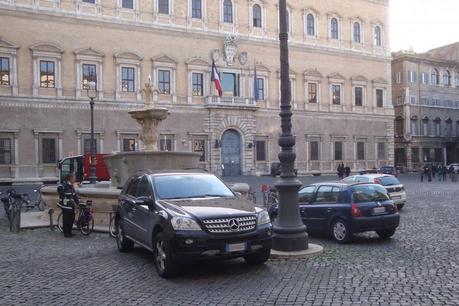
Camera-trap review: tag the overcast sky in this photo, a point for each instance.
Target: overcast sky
(423, 24)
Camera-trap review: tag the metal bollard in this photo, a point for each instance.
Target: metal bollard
(51, 212)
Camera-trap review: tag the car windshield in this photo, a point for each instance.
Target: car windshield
(389, 180)
(369, 193)
(190, 186)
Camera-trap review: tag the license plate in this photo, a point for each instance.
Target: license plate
(379, 210)
(236, 247)
(396, 197)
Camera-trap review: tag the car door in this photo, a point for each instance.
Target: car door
(321, 208)
(127, 205)
(305, 195)
(143, 215)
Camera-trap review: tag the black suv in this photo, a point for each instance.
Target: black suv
(186, 216)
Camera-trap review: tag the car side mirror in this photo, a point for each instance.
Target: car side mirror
(146, 201)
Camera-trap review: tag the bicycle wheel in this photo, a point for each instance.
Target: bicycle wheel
(112, 227)
(60, 223)
(87, 226)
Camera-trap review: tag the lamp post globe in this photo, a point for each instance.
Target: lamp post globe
(289, 231)
(92, 94)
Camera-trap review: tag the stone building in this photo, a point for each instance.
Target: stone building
(340, 78)
(426, 102)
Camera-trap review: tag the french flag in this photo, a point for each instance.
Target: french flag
(216, 79)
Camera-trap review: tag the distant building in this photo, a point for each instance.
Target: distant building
(425, 92)
(340, 79)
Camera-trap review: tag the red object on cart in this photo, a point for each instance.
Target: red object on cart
(102, 172)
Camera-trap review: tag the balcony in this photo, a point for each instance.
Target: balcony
(231, 102)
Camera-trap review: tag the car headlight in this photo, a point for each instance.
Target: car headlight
(184, 224)
(263, 218)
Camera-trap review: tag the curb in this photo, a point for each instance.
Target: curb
(312, 250)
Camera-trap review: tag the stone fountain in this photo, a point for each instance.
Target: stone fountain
(122, 165)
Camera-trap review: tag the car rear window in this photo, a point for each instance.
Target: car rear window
(389, 180)
(369, 193)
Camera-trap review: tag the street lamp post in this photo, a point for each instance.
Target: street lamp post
(92, 94)
(289, 231)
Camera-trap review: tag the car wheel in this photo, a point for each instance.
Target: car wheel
(258, 258)
(164, 263)
(340, 231)
(400, 206)
(386, 234)
(124, 244)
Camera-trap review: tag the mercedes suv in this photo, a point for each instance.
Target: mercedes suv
(186, 216)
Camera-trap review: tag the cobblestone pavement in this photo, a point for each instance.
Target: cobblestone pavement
(419, 266)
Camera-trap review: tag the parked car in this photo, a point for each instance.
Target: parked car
(393, 186)
(187, 216)
(455, 167)
(342, 209)
(388, 170)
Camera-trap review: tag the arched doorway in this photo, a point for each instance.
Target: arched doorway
(231, 153)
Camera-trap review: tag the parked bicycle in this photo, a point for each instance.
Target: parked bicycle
(269, 195)
(112, 226)
(12, 204)
(28, 204)
(84, 222)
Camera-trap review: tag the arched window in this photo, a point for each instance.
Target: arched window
(378, 38)
(334, 28)
(447, 78)
(163, 7)
(414, 125)
(228, 11)
(435, 77)
(310, 25)
(437, 123)
(357, 32)
(457, 78)
(256, 12)
(425, 126)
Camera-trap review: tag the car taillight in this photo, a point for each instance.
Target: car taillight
(377, 181)
(355, 211)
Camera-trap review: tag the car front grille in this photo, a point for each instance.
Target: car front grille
(230, 225)
(395, 189)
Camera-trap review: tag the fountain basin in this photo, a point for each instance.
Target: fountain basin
(123, 165)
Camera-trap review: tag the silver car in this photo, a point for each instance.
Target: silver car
(393, 186)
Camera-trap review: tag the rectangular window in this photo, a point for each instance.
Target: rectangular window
(89, 74)
(412, 76)
(415, 155)
(199, 146)
(48, 150)
(127, 79)
(338, 150)
(379, 98)
(164, 81)
(89, 1)
(129, 4)
(414, 127)
(398, 77)
(360, 151)
(47, 74)
(166, 143)
(198, 84)
(196, 9)
(382, 151)
(314, 150)
(425, 127)
(129, 144)
(413, 100)
(87, 145)
(425, 78)
(358, 96)
(261, 88)
(5, 151)
(163, 7)
(312, 92)
(260, 147)
(230, 84)
(4, 71)
(336, 94)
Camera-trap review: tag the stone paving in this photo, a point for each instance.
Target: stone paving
(419, 266)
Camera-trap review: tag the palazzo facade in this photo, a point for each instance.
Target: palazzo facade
(340, 78)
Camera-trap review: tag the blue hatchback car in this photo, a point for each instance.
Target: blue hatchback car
(343, 209)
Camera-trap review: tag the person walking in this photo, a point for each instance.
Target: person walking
(434, 170)
(445, 173)
(68, 199)
(347, 171)
(440, 173)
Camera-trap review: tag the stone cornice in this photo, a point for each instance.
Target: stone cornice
(68, 17)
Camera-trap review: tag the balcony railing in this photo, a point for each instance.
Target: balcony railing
(231, 101)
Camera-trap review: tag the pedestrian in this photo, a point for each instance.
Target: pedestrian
(421, 170)
(445, 173)
(429, 173)
(440, 173)
(434, 170)
(339, 170)
(347, 171)
(68, 199)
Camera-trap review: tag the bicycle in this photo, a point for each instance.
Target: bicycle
(84, 221)
(112, 226)
(39, 203)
